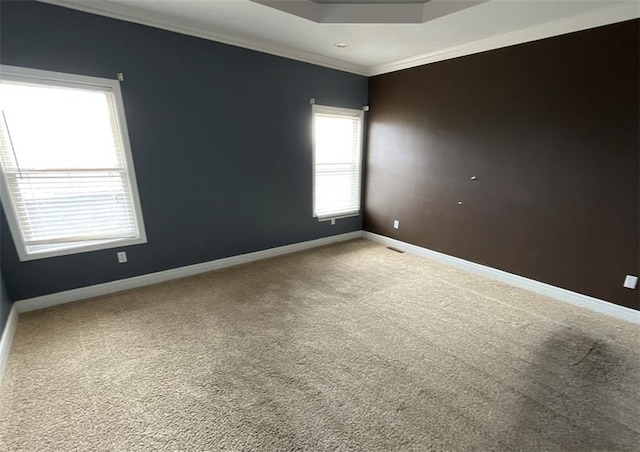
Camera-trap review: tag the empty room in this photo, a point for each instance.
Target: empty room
(355, 225)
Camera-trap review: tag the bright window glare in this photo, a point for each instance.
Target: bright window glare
(67, 175)
(334, 140)
(337, 150)
(74, 128)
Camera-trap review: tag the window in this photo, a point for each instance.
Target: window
(68, 183)
(337, 156)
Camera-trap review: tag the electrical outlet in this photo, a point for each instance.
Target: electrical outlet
(630, 281)
(396, 224)
(122, 257)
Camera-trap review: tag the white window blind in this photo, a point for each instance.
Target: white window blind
(337, 156)
(67, 173)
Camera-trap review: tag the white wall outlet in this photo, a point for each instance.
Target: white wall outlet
(396, 224)
(630, 281)
(122, 257)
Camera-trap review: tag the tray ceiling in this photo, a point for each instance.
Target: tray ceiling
(370, 42)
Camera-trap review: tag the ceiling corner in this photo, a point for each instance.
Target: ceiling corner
(619, 12)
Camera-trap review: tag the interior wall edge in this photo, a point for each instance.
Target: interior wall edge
(558, 293)
(82, 293)
(7, 339)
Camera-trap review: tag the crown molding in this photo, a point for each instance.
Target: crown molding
(601, 17)
(619, 12)
(138, 16)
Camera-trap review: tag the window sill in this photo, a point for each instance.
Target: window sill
(338, 217)
(103, 245)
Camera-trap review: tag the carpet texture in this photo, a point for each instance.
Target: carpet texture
(347, 347)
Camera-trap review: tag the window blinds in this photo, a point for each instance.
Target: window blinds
(64, 166)
(337, 161)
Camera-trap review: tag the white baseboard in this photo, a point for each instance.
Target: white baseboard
(584, 301)
(68, 296)
(45, 301)
(82, 293)
(7, 339)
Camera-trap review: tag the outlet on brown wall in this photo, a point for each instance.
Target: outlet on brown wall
(549, 129)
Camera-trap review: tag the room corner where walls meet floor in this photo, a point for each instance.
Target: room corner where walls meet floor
(351, 345)
(576, 299)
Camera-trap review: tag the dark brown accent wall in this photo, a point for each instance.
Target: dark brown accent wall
(551, 131)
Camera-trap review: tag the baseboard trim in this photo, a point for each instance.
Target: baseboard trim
(574, 298)
(45, 301)
(7, 339)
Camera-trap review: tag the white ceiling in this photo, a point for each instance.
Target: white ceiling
(374, 48)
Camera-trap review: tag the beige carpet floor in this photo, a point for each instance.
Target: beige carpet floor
(347, 347)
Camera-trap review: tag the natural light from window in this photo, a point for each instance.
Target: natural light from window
(64, 167)
(337, 160)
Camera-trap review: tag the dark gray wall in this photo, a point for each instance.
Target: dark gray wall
(551, 131)
(220, 135)
(5, 301)
(5, 305)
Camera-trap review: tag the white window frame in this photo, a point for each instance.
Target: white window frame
(346, 112)
(59, 79)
